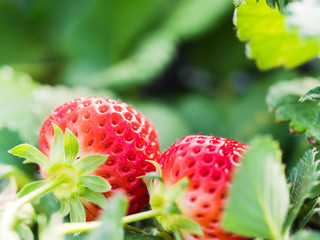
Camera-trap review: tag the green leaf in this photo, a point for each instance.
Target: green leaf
(71, 147)
(302, 116)
(95, 183)
(303, 178)
(92, 196)
(24, 231)
(313, 95)
(269, 41)
(111, 227)
(206, 15)
(307, 210)
(30, 187)
(64, 208)
(77, 213)
(306, 235)
(259, 192)
(187, 224)
(272, 3)
(139, 67)
(57, 151)
(15, 108)
(150, 183)
(31, 154)
(21, 45)
(41, 99)
(89, 163)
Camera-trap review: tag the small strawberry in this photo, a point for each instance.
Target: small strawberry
(105, 126)
(208, 163)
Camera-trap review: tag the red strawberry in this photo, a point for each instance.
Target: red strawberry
(208, 162)
(104, 126)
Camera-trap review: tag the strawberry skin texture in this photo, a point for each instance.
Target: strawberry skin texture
(208, 162)
(105, 126)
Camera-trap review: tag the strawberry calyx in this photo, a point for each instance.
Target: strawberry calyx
(165, 199)
(69, 179)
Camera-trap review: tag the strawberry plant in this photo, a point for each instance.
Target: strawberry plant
(215, 135)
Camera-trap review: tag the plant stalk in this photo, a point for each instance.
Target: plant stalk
(66, 228)
(12, 208)
(40, 191)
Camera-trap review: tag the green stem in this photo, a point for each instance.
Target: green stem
(11, 210)
(40, 191)
(133, 229)
(66, 228)
(142, 216)
(164, 235)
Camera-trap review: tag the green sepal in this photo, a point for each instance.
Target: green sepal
(71, 147)
(177, 190)
(95, 183)
(187, 224)
(92, 196)
(31, 154)
(57, 151)
(157, 166)
(89, 163)
(172, 208)
(77, 213)
(24, 231)
(64, 208)
(30, 187)
(148, 179)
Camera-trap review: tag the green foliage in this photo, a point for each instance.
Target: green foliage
(264, 198)
(95, 183)
(111, 227)
(164, 200)
(284, 98)
(312, 95)
(306, 235)
(77, 213)
(179, 63)
(277, 4)
(140, 67)
(304, 181)
(31, 154)
(270, 42)
(65, 176)
(26, 109)
(30, 187)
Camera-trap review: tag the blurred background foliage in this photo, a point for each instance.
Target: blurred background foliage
(177, 61)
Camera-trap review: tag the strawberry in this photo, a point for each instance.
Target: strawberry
(105, 126)
(208, 162)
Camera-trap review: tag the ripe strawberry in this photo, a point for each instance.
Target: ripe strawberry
(208, 162)
(105, 126)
